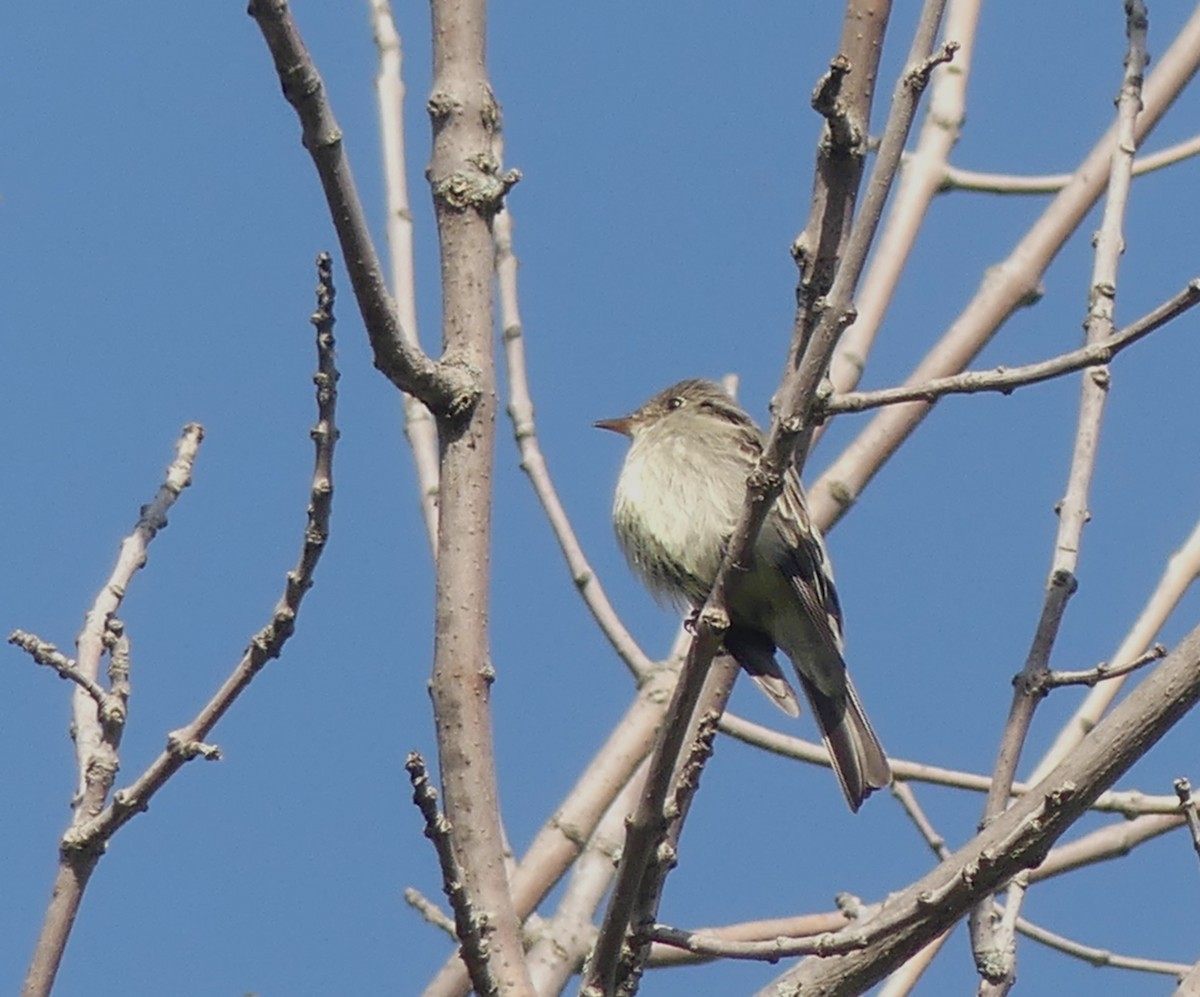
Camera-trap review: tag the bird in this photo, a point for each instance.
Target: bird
(678, 499)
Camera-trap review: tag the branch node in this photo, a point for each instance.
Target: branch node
(917, 78)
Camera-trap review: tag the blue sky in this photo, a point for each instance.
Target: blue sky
(160, 222)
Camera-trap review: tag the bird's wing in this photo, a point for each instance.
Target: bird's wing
(808, 565)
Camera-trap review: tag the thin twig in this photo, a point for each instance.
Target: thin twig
(389, 89)
(46, 654)
(93, 728)
(533, 463)
(813, 343)
(1008, 183)
(1102, 672)
(470, 925)
(1182, 569)
(1007, 379)
(188, 742)
(430, 911)
(1187, 806)
(1097, 956)
(1128, 803)
(908, 801)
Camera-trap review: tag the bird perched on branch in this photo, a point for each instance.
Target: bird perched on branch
(678, 500)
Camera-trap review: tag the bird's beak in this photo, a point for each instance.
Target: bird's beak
(621, 426)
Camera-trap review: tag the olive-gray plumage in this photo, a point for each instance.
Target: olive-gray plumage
(677, 502)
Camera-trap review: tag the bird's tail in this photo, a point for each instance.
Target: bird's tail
(755, 652)
(857, 756)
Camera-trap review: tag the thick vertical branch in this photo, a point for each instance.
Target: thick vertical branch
(467, 192)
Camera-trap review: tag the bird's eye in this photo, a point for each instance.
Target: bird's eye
(674, 403)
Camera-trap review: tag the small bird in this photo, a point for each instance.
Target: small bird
(678, 499)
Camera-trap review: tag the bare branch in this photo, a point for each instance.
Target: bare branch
(819, 324)
(1006, 379)
(389, 90)
(1007, 183)
(533, 463)
(908, 800)
(768, 950)
(993, 942)
(430, 911)
(1189, 986)
(648, 826)
(562, 941)
(1128, 803)
(1114, 841)
(44, 653)
(565, 835)
(1187, 806)
(909, 204)
(1097, 956)
(1181, 570)
(471, 925)
(1007, 286)
(1090, 954)
(188, 742)
(448, 386)
(467, 187)
(800, 926)
(1020, 837)
(95, 728)
(1102, 672)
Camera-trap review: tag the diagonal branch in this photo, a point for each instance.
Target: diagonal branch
(446, 386)
(1006, 288)
(49, 656)
(470, 925)
(812, 343)
(188, 742)
(909, 204)
(1018, 839)
(95, 737)
(1007, 379)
